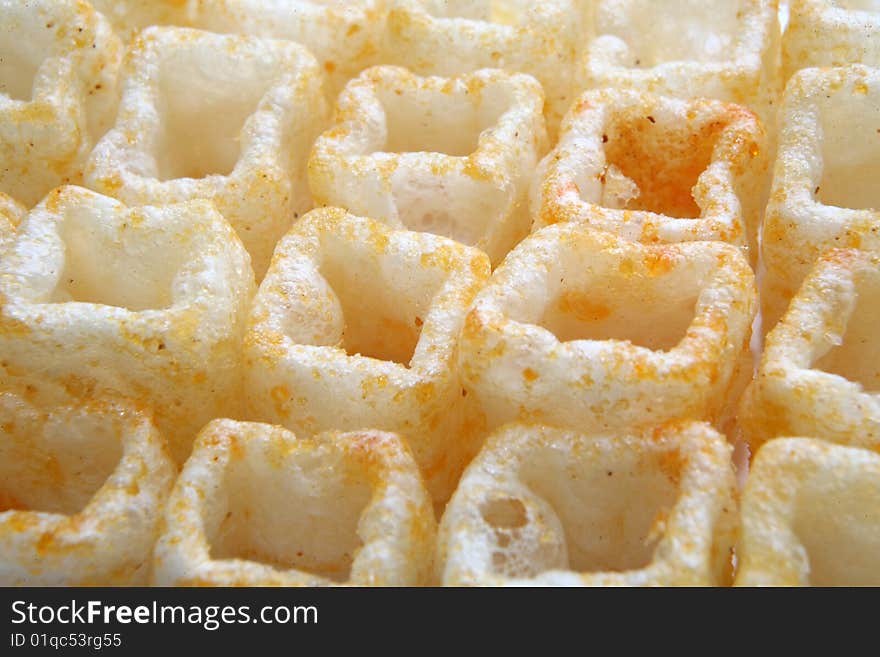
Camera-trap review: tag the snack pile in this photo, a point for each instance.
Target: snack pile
(439, 292)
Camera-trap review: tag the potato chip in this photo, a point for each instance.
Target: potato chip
(346, 37)
(831, 33)
(82, 490)
(724, 49)
(820, 371)
(449, 156)
(824, 192)
(225, 118)
(148, 302)
(356, 326)
(811, 516)
(655, 169)
(257, 506)
(59, 61)
(129, 17)
(433, 37)
(544, 506)
(579, 328)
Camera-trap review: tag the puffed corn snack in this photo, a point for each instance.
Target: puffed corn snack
(257, 506)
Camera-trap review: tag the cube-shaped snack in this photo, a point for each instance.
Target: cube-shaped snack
(580, 328)
(831, 33)
(83, 486)
(59, 62)
(256, 505)
(356, 326)
(543, 506)
(820, 370)
(346, 37)
(129, 17)
(810, 516)
(449, 156)
(452, 37)
(724, 49)
(656, 169)
(224, 118)
(824, 193)
(147, 302)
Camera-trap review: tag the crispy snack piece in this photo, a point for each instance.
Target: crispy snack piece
(831, 33)
(346, 37)
(655, 169)
(450, 156)
(544, 506)
(724, 49)
(148, 302)
(583, 329)
(811, 516)
(11, 215)
(129, 17)
(356, 326)
(452, 37)
(59, 61)
(225, 118)
(820, 370)
(257, 506)
(825, 193)
(82, 489)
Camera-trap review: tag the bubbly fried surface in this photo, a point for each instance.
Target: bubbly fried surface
(543, 506)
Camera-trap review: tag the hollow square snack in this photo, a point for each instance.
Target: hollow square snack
(257, 506)
(82, 488)
(824, 193)
(129, 17)
(543, 506)
(345, 37)
(147, 302)
(656, 169)
(453, 37)
(811, 516)
(225, 118)
(580, 328)
(59, 62)
(820, 370)
(356, 326)
(450, 156)
(724, 49)
(831, 33)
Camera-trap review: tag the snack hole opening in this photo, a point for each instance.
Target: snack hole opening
(25, 41)
(649, 311)
(500, 12)
(860, 5)
(384, 302)
(850, 149)
(54, 466)
(435, 121)
(292, 512)
(205, 100)
(857, 357)
(705, 32)
(839, 528)
(114, 264)
(612, 522)
(653, 165)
